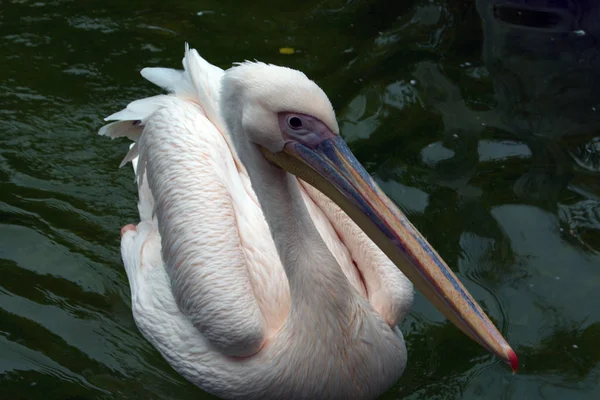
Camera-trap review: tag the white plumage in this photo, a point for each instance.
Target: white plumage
(208, 287)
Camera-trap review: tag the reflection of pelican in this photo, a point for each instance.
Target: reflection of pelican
(319, 321)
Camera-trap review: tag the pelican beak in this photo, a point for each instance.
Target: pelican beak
(331, 167)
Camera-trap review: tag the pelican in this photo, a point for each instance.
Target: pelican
(265, 263)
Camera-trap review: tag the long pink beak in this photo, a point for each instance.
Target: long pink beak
(332, 168)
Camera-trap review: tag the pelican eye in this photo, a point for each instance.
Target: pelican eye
(294, 123)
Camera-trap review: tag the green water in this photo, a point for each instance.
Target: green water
(488, 148)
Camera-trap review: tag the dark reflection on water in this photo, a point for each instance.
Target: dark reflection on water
(480, 120)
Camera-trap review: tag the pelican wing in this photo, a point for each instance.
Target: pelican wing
(185, 188)
(186, 164)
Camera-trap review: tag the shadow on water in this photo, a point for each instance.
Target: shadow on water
(479, 118)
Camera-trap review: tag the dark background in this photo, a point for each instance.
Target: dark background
(479, 118)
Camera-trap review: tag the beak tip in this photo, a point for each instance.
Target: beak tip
(513, 360)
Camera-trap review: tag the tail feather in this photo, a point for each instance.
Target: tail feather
(199, 82)
(206, 78)
(131, 120)
(141, 110)
(131, 155)
(129, 129)
(146, 205)
(172, 80)
(145, 199)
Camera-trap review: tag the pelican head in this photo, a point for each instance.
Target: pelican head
(291, 121)
(268, 102)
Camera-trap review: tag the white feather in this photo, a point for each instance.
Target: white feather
(206, 279)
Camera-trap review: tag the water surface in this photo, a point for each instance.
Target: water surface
(480, 122)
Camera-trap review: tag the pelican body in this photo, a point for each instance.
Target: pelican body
(265, 263)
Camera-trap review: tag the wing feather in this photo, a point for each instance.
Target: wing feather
(183, 155)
